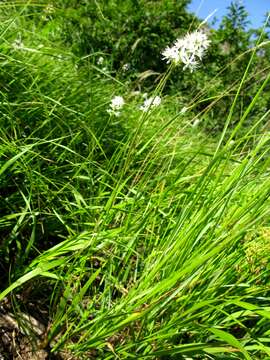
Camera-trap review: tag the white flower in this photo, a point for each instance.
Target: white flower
(189, 62)
(116, 104)
(150, 103)
(171, 54)
(193, 42)
(188, 50)
(126, 67)
(100, 60)
(156, 101)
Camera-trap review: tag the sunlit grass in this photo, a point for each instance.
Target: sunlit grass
(137, 231)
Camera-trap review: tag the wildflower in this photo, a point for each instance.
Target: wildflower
(189, 62)
(193, 43)
(100, 60)
(189, 50)
(126, 67)
(148, 104)
(171, 54)
(116, 104)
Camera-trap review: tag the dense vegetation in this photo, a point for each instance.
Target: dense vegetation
(141, 229)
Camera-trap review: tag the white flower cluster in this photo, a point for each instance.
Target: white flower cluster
(126, 67)
(116, 104)
(100, 60)
(188, 50)
(150, 103)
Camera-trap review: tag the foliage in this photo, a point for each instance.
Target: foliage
(233, 45)
(127, 32)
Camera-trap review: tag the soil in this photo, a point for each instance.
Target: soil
(22, 336)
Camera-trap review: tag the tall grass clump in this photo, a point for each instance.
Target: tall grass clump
(127, 232)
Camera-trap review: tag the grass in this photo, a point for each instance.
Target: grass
(129, 237)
